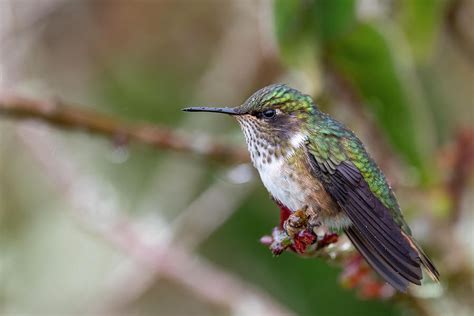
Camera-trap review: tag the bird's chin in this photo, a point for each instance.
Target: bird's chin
(243, 118)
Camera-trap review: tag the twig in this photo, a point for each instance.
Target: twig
(62, 115)
(454, 25)
(462, 165)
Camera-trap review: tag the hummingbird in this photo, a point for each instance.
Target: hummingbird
(310, 162)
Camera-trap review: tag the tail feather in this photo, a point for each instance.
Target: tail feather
(377, 261)
(393, 271)
(425, 261)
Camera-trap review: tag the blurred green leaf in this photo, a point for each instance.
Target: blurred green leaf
(310, 22)
(364, 57)
(420, 20)
(294, 32)
(333, 19)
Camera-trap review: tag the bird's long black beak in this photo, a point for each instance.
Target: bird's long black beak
(230, 111)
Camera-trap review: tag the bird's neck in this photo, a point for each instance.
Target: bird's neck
(269, 150)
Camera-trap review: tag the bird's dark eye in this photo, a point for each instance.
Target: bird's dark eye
(269, 113)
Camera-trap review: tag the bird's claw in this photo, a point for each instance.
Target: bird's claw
(296, 222)
(296, 234)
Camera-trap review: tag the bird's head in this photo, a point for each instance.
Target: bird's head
(273, 115)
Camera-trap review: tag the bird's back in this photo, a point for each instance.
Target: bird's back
(355, 182)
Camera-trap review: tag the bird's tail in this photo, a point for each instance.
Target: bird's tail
(425, 261)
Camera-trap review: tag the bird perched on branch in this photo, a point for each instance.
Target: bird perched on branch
(319, 173)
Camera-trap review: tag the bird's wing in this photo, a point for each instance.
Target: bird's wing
(345, 169)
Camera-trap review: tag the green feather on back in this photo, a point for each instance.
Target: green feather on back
(332, 143)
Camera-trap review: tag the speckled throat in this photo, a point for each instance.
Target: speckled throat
(264, 147)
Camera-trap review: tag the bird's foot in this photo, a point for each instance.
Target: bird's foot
(300, 230)
(280, 241)
(296, 222)
(295, 233)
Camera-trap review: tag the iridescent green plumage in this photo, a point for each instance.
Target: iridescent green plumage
(332, 142)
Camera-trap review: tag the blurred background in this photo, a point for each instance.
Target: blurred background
(94, 225)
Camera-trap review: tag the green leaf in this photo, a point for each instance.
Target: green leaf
(420, 21)
(303, 23)
(365, 58)
(333, 19)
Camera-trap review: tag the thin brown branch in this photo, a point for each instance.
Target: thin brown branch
(458, 29)
(65, 116)
(462, 166)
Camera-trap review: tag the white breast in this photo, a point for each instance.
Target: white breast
(276, 176)
(280, 185)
